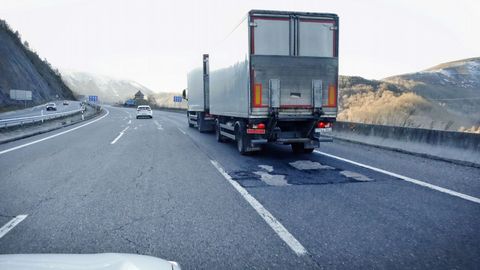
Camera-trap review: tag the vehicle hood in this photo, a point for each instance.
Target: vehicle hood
(103, 261)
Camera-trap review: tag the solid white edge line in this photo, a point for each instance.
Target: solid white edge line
(406, 178)
(119, 135)
(53, 136)
(11, 224)
(279, 229)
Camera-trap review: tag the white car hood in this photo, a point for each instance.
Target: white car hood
(102, 261)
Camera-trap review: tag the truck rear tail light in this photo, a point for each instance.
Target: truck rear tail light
(255, 131)
(332, 95)
(323, 124)
(257, 95)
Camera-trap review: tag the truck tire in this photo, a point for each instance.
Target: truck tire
(200, 124)
(241, 138)
(218, 136)
(188, 119)
(299, 148)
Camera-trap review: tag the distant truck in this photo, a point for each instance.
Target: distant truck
(273, 79)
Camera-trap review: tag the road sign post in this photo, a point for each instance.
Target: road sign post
(21, 95)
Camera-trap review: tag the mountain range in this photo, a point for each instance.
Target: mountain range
(108, 89)
(445, 97)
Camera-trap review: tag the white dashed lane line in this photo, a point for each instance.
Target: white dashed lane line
(277, 227)
(184, 133)
(119, 135)
(11, 224)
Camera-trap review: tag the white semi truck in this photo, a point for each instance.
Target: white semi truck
(273, 79)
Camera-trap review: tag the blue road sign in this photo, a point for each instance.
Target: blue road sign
(177, 99)
(93, 98)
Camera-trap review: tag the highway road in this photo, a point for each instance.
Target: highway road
(37, 110)
(157, 187)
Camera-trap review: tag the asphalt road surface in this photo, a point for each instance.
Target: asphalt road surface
(157, 187)
(37, 110)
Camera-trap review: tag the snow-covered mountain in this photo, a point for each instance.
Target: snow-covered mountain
(108, 89)
(455, 85)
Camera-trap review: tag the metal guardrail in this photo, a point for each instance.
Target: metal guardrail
(4, 123)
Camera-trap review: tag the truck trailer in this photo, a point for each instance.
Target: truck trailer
(273, 79)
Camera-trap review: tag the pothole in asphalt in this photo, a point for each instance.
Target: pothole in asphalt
(267, 168)
(272, 179)
(262, 177)
(247, 179)
(300, 172)
(309, 165)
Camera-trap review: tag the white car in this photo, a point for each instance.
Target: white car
(144, 111)
(51, 107)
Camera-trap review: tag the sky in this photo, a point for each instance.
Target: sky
(157, 42)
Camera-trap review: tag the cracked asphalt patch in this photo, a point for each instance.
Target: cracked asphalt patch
(304, 172)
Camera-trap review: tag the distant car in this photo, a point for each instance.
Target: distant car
(144, 111)
(51, 107)
(65, 102)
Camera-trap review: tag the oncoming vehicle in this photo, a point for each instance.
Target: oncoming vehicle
(51, 107)
(65, 102)
(144, 111)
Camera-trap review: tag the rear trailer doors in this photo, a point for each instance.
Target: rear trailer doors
(294, 63)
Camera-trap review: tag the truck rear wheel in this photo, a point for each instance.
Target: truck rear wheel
(199, 122)
(218, 135)
(240, 139)
(299, 148)
(188, 119)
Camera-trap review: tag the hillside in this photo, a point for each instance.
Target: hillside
(445, 97)
(108, 89)
(455, 85)
(22, 69)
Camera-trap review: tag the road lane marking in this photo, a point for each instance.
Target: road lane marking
(281, 231)
(53, 136)
(159, 126)
(119, 135)
(11, 224)
(184, 133)
(406, 178)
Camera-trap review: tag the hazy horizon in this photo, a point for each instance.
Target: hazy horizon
(147, 43)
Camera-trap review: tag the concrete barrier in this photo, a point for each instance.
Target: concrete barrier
(446, 145)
